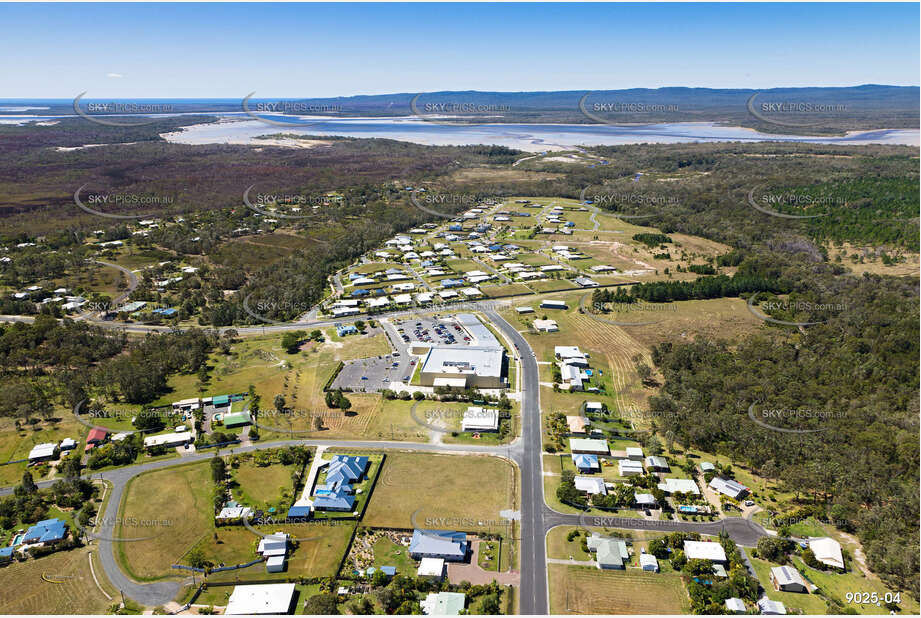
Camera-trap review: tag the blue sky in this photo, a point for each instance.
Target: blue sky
(229, 50)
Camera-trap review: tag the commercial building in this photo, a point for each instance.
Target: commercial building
(471, 366)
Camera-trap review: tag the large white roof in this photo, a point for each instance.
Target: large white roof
(827, 551)
(260, 599)
(704, 550)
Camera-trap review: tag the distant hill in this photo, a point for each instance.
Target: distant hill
(775, 110)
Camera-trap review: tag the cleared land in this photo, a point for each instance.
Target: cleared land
(180, 500)
(443, 492)
(587, 590)
(71, 589)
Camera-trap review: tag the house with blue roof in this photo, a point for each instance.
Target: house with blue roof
(444, 544)
(452, 283)
(586, 462)
(6, 554)
(360, 293)
(336, 493)
(345, 329)
(299, 512)
(46, 531)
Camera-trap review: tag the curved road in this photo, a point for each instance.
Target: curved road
(536, 517)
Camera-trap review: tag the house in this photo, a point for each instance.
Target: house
(6, 554)
(570, 355)
(48, 531)
(451, 546)
(68, 444)
(628, 467)
(577, 425)
(594, 407)
(586, 463)
(827, 551)
(273, 599)
(772, 608)
(96, 436)
(788, 579)
(648, 562)
(682, 486)
(273, 545)
(635, 453)
(657, 464)
(169, 439)
(705, 550)
(552, 304)
(585, 282)
(43, 452)
(234, 513)
(706, 466)
(609, 553)
(238, 419)
(477, 418)
(728, 487)
(403, 299)
(590, 484)
(588, 445)
(546, 326)
(186, 405)
(443, 603)
(735, 605)
(346, 329)
(645, 501)
(572, 377)
(432, 568)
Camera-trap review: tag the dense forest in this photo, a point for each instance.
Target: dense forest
(850, 383)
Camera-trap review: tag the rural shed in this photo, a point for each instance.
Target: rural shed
(238, 419)
(275, 564)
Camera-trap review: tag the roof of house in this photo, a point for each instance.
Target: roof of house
(704, 550)
(657, 462)
(96, 434)
(576, 423)
(827, 551)
(588, 444)
(47, 530)
(628, 465)
(767, 606)
(299, 511)
(585, 461)
(438, 543)
(346, 468)
(431, 567)
(727, 486)
(634, 451)
(706, 466)
(477, 417)
(590, 484)
(260, 599)
(337, 499)
(735, 605)
(43, 450)
(786, 575)
(648, 560)
(644, 499)
(444, 603)
(685, 486)
(609, 551)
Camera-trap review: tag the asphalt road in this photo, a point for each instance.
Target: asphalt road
(536, 517)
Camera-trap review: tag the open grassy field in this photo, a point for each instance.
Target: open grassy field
(264, 486)
(443, 492)
(179, 499)
(587, 590)
(805, 603)
(60, 583)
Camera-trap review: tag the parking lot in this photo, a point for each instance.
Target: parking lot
(374, 374)
(432, 331)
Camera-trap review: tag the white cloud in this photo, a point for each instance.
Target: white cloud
(115, 75)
